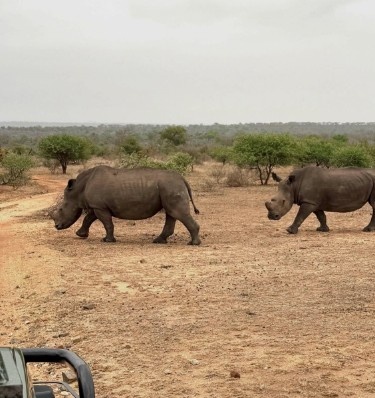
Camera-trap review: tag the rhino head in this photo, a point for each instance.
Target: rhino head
(280, 204)
(69, 211)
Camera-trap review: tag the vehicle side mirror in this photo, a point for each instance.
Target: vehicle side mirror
(42, 391)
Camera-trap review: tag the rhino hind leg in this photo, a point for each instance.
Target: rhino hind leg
(178, 207)
(193, 227)
(183, 215)
(90, 217)
(371, 226)
(320, 215)
(168, 229)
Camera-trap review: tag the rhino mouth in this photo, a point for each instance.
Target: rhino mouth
(274, 216)
(64, 225)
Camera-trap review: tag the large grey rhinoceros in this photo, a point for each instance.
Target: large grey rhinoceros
(317, 190)
(131, 194)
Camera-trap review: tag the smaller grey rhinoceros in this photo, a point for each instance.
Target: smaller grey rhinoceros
(316, 190)
(131, 194)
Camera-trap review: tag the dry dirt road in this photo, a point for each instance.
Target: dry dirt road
(292, 315)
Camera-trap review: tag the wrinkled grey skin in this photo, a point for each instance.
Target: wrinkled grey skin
(131, 194)
(316, 190)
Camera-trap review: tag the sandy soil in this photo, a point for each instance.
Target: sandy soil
(293, 316)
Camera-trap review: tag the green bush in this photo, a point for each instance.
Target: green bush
(15, 166)
(181, 162)
(352, 156)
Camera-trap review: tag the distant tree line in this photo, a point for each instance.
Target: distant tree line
(199, 134)
(180, 147)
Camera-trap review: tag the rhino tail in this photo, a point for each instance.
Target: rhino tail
(196, 211)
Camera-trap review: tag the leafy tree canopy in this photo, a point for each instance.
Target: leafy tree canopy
(64, 148)
(174, 135)
(316, 150)
(340, 138)
(221, 153)
(264, 152)
(130, 144)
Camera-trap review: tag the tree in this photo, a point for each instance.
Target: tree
(263, 152)
(340, 138)
(174, 135)
(64, 148)
(130, 145)
(221, 153)
(316, 150)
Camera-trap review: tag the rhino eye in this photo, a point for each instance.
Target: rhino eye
(283, 201)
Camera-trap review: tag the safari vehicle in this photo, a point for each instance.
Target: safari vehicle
(15, 381)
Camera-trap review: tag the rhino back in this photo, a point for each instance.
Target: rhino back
(338, 190)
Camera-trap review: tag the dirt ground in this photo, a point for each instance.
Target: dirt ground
(293, 316)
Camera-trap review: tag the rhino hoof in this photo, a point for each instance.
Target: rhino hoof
(368, 229)
(292, 230)
(82, 234)
(323, 229)
(160, 240)
(110, 240)
(196, 242)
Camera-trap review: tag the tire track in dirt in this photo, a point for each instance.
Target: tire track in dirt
(20, 277)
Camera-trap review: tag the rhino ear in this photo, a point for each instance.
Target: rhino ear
(275, 177)
(71, 183)
(291, 179)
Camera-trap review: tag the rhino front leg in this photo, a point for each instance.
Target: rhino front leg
(320, 215)
(168, 229)
(304, 211)
(90, 217)
(106, 218)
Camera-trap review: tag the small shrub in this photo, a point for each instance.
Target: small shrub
(181, 162)
(208, 185)
(52, 165)
(239, 177)
(15, 166)
(218, 174)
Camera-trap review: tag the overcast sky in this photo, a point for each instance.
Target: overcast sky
(187, 61)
